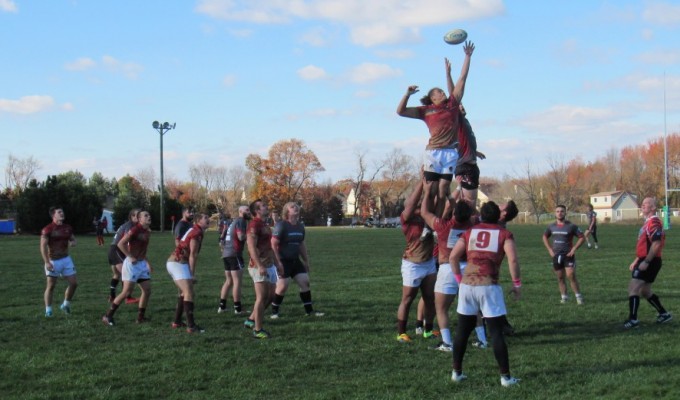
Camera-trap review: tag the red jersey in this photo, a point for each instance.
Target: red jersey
(484, 248)
(448, 232)
(442, 122)
(58, 237)
(183, 249)
(651, 231)
(139, 241)
(263, 235)
(417, 251)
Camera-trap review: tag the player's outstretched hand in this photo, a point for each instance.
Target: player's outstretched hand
(469, 48)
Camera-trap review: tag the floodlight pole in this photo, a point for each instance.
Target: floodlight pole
(162, 129)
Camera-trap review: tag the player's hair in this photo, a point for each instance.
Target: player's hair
(252, 205)
(426, 100)
(490, 212)
(188, 208)
(284, 212)
(54, 209)
(462, 211)
(561, 206)
(200, 216)
(511, 210)
(133, 213)
(590, 206)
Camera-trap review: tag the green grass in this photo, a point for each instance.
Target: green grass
(560, 352)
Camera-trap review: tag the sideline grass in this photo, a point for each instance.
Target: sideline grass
(560, 352)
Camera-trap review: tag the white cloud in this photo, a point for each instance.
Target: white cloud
(229, 80)
(364, 94)
(312, 73)
(241, 33)
(365, 19)
(662, 13)
(128, 69)
(647, 34)
(81, 64)
(8, 6)
(369, 72)
(27, 105)
(572, 52)
(572, 120)
(495, 63)
(398, 54)
(316, 37)
(666, 57)
(67, 107)
(383, 33)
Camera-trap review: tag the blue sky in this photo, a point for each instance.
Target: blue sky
(82, 81)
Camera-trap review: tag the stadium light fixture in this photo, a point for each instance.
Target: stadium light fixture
(162, 129)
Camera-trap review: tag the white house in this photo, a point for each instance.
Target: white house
(615, 206)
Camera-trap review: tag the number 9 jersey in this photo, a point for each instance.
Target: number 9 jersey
(484, 249)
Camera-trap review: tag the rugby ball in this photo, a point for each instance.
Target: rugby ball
(456, 36)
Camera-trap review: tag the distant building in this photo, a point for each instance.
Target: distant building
(615, 206)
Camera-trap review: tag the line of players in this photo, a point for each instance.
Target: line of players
(276, 257)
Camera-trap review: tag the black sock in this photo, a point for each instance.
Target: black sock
(633, 304)
(306, 298)
(656, 303)
(419, 323)
(278, 299)
(114, 285)
(223, 303)
(237, 306)
(140, 313)
(189, 311)
(112, 310)
(179, 309)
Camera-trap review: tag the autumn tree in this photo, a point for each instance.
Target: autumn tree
(147, 179)
(362, 183)
(530, 188)
(19, 172)
(398, 174)
(289, 168)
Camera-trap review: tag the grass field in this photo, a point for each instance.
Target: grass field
(560, 351)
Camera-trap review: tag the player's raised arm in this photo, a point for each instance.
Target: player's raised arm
(459, 89)
(409, 112)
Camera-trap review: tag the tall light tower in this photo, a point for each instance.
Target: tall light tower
(162, 129)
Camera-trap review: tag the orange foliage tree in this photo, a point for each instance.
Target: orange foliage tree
(289, 168)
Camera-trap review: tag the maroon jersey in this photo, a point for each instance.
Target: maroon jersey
(448, 232)
(651, 231)
(263, 236)
(417, 251)
(58, 237)
(484, 248)
(139, 241)
(183, 249)
(442, 121)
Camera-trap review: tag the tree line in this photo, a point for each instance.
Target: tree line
(289, 171)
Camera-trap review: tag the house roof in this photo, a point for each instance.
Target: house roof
(606, 193)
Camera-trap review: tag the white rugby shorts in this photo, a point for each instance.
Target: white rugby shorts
(412, 274)
(446, 281)
(440, 161)
(135, 272)
(488, 299)
(178, 271)
(269, 277)
(62, 267)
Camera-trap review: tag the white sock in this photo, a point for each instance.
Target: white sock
(481, 334)
(48, 309)
(446, 335)
(66, 303)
